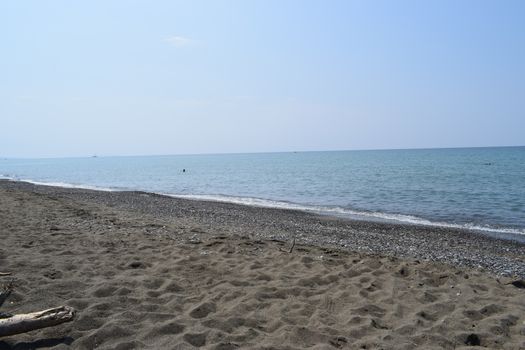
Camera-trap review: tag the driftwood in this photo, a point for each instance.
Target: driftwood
(291, 248)
(16, 324)
(293, 245)
(28, 322)
(5, 274)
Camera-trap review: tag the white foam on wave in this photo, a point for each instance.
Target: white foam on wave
(400, 218)
(62, 184)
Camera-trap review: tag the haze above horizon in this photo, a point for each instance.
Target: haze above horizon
(173, 77)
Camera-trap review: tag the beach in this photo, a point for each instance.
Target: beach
(146, 271)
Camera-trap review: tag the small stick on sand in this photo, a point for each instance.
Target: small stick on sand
(293, 245)
(5, 274)
(28, 322)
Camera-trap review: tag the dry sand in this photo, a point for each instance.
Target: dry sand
(143, 281)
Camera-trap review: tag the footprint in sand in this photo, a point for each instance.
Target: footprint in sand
(203, 310)
(196, 340)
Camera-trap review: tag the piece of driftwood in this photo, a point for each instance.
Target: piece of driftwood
(293, 245)
(36, 320)
(291, 248)
(5, 274)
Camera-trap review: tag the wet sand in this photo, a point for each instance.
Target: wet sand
(149, 271)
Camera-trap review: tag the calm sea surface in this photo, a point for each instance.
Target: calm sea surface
(476, 188)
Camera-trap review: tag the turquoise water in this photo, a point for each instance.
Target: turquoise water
(477, 188)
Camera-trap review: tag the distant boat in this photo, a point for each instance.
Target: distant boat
(94, 156)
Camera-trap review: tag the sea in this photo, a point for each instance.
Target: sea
(479, 189)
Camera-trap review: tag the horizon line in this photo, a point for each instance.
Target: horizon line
(260, 152)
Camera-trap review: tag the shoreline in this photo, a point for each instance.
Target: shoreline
(453, 246)
(145, 271)
(506, 233)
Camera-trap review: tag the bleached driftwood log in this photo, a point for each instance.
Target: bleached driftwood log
(28, 322)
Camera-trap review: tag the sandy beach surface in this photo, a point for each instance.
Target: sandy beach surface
(146, 271)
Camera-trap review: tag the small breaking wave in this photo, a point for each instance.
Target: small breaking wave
(61, 184)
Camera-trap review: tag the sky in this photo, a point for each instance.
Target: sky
(184, 77)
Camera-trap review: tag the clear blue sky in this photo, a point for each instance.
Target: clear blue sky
(171, 77)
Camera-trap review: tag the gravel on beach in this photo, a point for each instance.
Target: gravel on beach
(456, 247)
